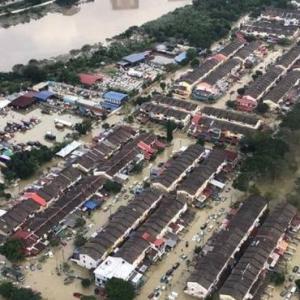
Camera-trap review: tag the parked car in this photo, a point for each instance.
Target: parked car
(151, 296)
(32, 267)
(283, 293)
(183, 256)
(169, 272)
(203, 226)
(295, 269)
(164, 279)
(77, 295)
(175, 266)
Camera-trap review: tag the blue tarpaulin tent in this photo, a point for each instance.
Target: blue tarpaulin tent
(44, 95)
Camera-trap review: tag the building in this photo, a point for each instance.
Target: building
(246, 120)
(133, 59)
(124, 4)
(116, 267)
(121, 224)
(262, 255)
(176, 104)
(230, 49)
(288, 59)
(212, 268)
(195, 183)
(178, 168)
(276, 96)
(24, 100)
(217, 82)
(162, 114)
(124, 160)
(89, 79)
(148, 240)
(113, 100)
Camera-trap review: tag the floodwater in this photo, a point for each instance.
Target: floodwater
(57, 34)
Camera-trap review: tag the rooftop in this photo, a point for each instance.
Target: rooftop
(224, 243)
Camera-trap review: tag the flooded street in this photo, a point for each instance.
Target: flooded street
(95, 22)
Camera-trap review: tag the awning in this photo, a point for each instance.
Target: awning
(217, 183)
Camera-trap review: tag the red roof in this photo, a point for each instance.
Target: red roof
(41, 201)
(196, 119)
(89, 79)
(146, 148)
(231, 156)
(158, 242)
(22, 102)
(147, 237)
(159, 144)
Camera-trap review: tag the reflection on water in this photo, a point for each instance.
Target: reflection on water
(57, 34)
(124, 4)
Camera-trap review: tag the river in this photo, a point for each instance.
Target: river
(94, 22)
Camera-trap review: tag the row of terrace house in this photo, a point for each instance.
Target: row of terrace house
(147, 242)
(268, 246)
(187, 82)
(121, 224)
(226, 245)
(37, 198)
(107, 145)
(178, 167)
(260, 87)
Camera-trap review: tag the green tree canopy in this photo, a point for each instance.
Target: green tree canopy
(12, 250)
(117, 289)
(11, 292)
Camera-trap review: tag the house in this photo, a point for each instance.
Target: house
(121, 224)
(247, 120)
(162, 114)
(211, 269)
(275, 97)
(216, 83)
(148, 240)
(28, 241)
(246, 104)
(24, 100)
(116, 267)
(179, 167)
(113, 100)
(195, 183)
(248, 275)
(44, 95)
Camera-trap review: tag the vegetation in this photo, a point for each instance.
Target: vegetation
(12, 250)
(84, 127)
(11, 292)
(66, 3)
(170, 126)
(265, 156)
(195, 63)
(88, 298)
(117, 289)
(241, 91)
(86, 282)
(277, 278)
(297, 283)
(80, 222)
(25, 163)
(79, 240)
(111, 186)
(138, 168)
(291, 120)
(197, 249)
(201, 142)
(262, 108)
(231, 104)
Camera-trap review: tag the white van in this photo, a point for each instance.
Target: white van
(293, 289)
(288, 296)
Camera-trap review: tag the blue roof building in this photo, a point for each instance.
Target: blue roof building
(44, 95)
(109, 106)
(133, 59)
(180, 57)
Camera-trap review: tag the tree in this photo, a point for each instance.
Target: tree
(262, 108)
(162, 85)
(191, 53)
(197, 249)
(34, 73)
(80, 222)
(12, 250)
(137, 168)
(88, 298)
(6, 289)
(130, 119)
(277, 278)
(117, 289)
(241, 91)
(231, 104)
(297, 282)
(201, 141)
(105, 126)
(84, 127)
(79, 240)
(195, 63)
(11, 292)
(111, 186)
(170, 126)
(85, 282)
(54, 242)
